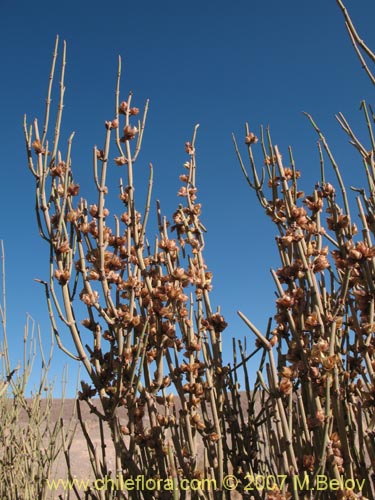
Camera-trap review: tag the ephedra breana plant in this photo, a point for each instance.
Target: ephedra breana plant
(150, 340)
(319, 380)
(149, 335)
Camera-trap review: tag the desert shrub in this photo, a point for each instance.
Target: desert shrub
(154, 357)
(318, 384)
(319, 375)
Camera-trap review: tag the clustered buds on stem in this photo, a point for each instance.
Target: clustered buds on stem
(129, 133)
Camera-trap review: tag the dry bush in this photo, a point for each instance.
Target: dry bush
(319, 376)
(154, 360)
(318, 384)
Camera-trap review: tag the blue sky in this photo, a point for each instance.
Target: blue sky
(218, 64)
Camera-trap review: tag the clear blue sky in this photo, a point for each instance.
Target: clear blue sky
(218, 64)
